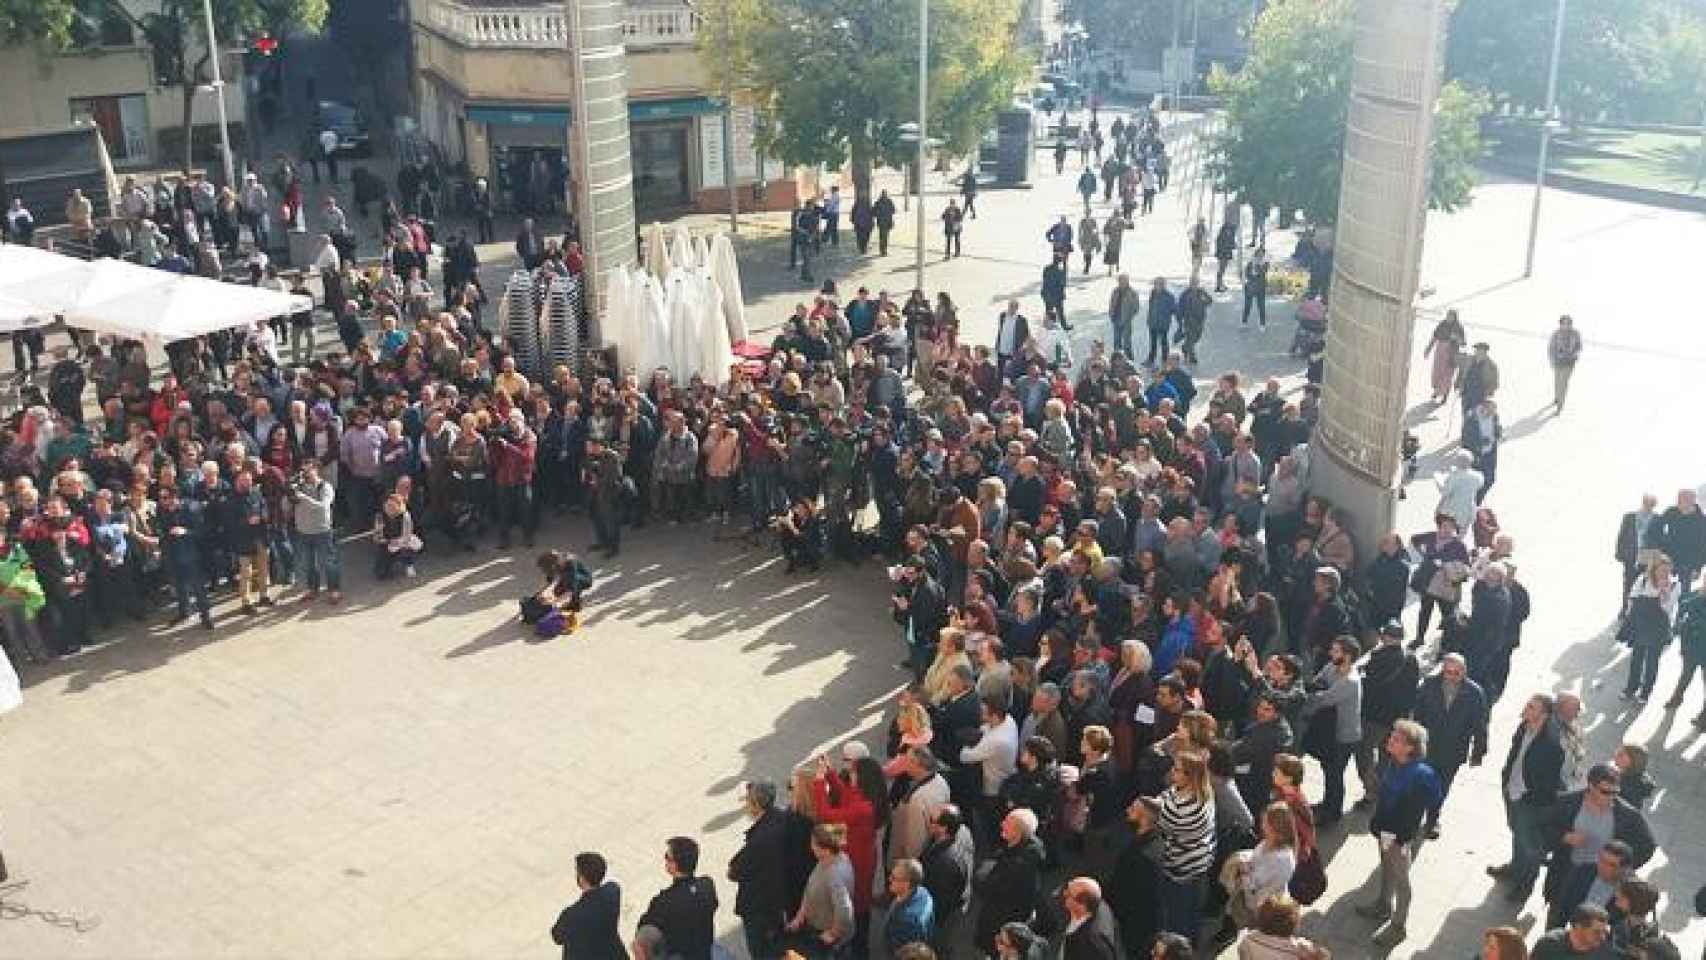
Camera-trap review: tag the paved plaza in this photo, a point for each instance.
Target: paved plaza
(410, 775)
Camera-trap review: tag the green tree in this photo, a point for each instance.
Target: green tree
(837, 78)
(1284, 140)
(1608, 55)
(1147, 24)
(174, 29)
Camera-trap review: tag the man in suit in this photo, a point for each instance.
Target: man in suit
(1574, 833)
(760, 873)
(1531, 778)
(1011, 332)
(1453, 709)
(586, 929)
(1091, 933)
(1632, 537)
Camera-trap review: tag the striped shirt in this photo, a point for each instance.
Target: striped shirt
(1187, 835)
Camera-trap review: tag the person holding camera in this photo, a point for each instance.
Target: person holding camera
(311, 499)
(607, 489)
(801, 531)
(514, 450)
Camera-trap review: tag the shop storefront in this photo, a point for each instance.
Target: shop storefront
(665, 151)
(527, 155)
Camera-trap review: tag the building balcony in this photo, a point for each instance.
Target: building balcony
(504, 25)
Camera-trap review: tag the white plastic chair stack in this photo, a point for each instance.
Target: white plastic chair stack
(521, 323)
(562, 323)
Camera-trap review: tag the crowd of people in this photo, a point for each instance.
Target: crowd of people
(1129, 624)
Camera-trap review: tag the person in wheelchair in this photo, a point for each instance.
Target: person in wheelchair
(803, 535)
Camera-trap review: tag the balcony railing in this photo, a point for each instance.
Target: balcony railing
(546, 27)
(661, 25)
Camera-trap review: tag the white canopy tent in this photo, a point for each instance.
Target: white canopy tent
(123, 299)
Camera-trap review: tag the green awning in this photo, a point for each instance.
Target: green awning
(672, 109)
(519, 116)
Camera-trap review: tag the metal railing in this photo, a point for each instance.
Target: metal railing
(545, 26)
(661, 25)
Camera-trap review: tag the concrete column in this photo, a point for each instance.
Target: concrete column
(1378, 250)
(598, 137)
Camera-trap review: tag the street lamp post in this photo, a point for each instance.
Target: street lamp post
(729, 121)
(1546, 128)
(219, 95)
(923, 125)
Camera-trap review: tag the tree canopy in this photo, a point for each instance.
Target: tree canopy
(836, 79)
(1630, 59)
(1284, 138)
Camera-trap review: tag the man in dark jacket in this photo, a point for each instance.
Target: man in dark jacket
(1253, 755)
(528, 245)
(1009, 885)
(949, 859)
(1486, 640)
(921, 607)
(1054, 292)
(1639, 529)
(680, 920)
(1091, 931)
(1681, 534)
(586, 929)
(1530, 779)
(1575, 833)
(1389, 677)
(883, 213)
(1408, 794)
(1453, 709)
(760, 872)
(182, 524)
(1162, 308)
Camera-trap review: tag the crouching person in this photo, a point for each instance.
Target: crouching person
(394, 536)
(802, 532)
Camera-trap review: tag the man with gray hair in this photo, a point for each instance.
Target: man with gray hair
(1453, 710)
(1409, 794)
(1045, 720)
(1009, 886)
(925, 791)
(760, 872)
(1486, 640)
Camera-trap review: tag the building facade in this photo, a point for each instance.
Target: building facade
(108, 80)
(495, 85)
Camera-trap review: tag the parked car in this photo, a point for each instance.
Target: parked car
(347, 122)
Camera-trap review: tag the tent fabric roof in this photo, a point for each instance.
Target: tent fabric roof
(123, 299)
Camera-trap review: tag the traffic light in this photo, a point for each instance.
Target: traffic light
(264, 45)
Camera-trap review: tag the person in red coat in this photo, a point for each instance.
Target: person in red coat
(855, 799)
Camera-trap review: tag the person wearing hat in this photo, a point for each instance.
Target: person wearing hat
(1389, 681)
(1479, 379)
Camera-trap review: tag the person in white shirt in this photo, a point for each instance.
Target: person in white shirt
(997, 750)
(1457, 489)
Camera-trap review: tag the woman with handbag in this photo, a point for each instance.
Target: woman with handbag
(1647, 626)
(1438, 580)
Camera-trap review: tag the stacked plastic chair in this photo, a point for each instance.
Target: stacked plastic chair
(562, 324)
(521, 325)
